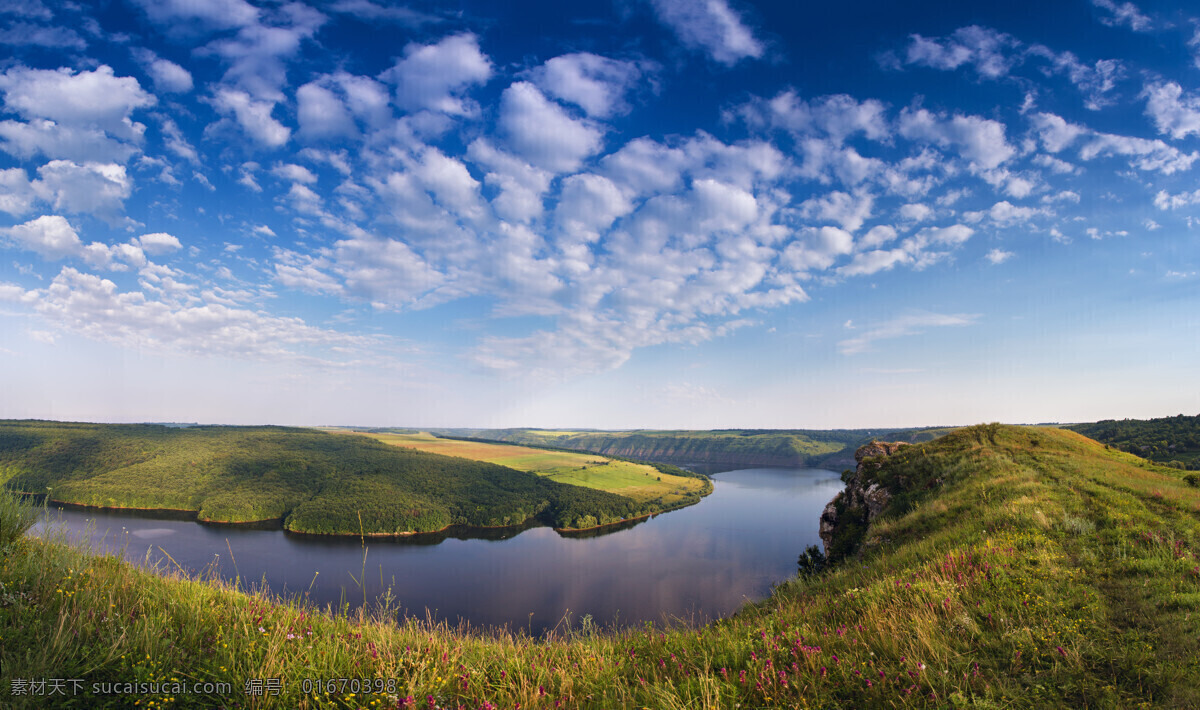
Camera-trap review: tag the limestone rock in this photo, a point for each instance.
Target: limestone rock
(860, 492)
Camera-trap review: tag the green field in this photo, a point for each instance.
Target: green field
(641, 482)
(1015, 567)
(311, 481)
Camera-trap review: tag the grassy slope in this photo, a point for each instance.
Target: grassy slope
(316, 482)
(1042, 571)
(641, 482)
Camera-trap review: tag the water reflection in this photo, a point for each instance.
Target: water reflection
(698, 563)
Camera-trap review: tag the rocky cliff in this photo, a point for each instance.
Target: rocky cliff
(845, 519)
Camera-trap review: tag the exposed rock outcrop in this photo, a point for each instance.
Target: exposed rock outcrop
(862, 501)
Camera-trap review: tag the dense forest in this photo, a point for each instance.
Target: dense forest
(1174, 441)
(313, 481)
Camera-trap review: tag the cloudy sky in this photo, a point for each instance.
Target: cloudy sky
(605, 213)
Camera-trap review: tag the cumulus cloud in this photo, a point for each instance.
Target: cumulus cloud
(542, 133)
(159, 243)
(86, 110)
(254, 116)
(871, 262)
(434, 76)
(167, 76)
(1166, 201)
(998, 256)
(710, 26)
(596, 84)
(91, 188)
(1173, 113)
(979, 140)
(848, 210)
(51, 236)
(902, 326)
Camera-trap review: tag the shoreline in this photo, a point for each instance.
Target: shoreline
(279, 523)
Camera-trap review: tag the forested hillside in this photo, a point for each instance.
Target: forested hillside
(1174, 441)
(750, 447)
(313, 481)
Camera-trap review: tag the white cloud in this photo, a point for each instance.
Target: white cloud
(998, 256)
(1055, 132)
(594, 83)
(588, 205)
(294, 173)
(159, 243)
(369, 12)
(988, 51)
(848, 210)
(322, 114)
(1172, 112)
(542, 132)
(1125, 13)
(1144, 154)
(979, 140)
(92, 188)
(451, 184)
(254, 116)
(711, 26)
(915, 212)
(16, 193)
(215, 14)
(870, 262)
(1005, 213)
(95, 308)
(167, 75)
(28, 34)
(1166, 201)
(520, 185)
(51, 236)
(87, 98)
(818, 248)
(1096, 81)
(877, 236)
(258, 53)
(433, 77)
(902, 326)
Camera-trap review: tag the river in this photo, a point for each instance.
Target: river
(696, 563)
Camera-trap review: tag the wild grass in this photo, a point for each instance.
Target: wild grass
(1034, 569)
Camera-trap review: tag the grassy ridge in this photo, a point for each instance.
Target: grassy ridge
(313, 481)
(1022, 568)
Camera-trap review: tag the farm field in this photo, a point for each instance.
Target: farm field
(641, 482)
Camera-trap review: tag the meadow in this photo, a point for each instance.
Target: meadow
(638, 481)
(311, 481)
(1013, 568)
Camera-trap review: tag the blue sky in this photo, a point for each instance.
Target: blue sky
(613, 214)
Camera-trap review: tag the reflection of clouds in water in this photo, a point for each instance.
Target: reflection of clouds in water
(153, 532)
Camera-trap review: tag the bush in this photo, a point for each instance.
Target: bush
(1192, 480)
(16, 517)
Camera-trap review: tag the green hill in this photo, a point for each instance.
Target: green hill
(314, 482)
(1174, 441)
(745, 447)
(1011, 568)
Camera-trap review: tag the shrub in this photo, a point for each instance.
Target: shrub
(1192, 480)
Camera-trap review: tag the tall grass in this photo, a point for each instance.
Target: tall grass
(16, 517)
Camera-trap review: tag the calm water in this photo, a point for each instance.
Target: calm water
(698, 563)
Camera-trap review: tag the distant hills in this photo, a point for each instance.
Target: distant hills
(1174, 441)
